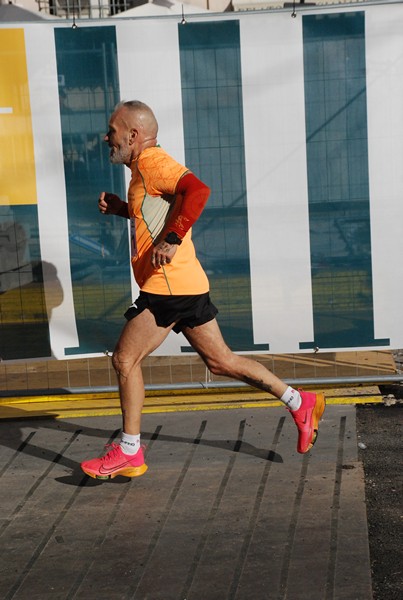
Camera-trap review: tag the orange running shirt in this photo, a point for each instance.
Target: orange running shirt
(151, 200)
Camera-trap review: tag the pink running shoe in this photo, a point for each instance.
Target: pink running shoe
(114, 463)
(307, 419)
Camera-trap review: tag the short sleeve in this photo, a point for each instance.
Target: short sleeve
(160, 172)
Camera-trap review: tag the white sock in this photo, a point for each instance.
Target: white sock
(130, 444)
(291, 398)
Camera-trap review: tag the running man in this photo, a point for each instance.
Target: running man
(164, 200)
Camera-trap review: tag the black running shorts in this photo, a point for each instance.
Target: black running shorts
(185, 311)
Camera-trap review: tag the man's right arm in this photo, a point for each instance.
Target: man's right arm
(111, 204)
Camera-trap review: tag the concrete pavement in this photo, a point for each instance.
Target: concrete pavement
(226, 511)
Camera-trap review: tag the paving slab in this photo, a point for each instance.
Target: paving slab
(226, 510)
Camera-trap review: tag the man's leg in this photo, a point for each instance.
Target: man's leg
(207, 340)
(140, 336)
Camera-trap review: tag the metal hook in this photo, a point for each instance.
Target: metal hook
(183, 22)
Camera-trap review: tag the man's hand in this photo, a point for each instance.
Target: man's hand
(162, 254)
(111, 204)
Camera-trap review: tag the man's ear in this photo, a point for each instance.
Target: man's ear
(132, 135)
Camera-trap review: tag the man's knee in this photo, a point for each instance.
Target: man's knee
(122, 362)
(220, 365)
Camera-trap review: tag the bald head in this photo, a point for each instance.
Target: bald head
(139, 115)
(132, 128)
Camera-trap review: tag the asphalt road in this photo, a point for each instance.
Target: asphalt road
(379, 429)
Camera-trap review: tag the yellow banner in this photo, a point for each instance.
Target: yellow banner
(17, 161)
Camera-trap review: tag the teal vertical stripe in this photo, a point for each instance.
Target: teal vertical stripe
(214, 148)
(338, 180)
(89, 90)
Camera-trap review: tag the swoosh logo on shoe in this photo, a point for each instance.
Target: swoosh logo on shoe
(102, 469)
(305, 421)
(307, 417)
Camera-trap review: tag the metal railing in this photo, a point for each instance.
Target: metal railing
(91, 9)
(96, 375)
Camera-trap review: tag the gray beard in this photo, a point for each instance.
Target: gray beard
(119, 157)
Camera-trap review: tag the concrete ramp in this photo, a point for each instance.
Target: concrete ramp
(226, 511)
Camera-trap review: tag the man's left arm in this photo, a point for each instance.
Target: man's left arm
(192, 195)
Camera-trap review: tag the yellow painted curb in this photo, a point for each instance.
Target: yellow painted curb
(92, 405)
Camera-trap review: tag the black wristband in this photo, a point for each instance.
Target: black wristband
(173, 238)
